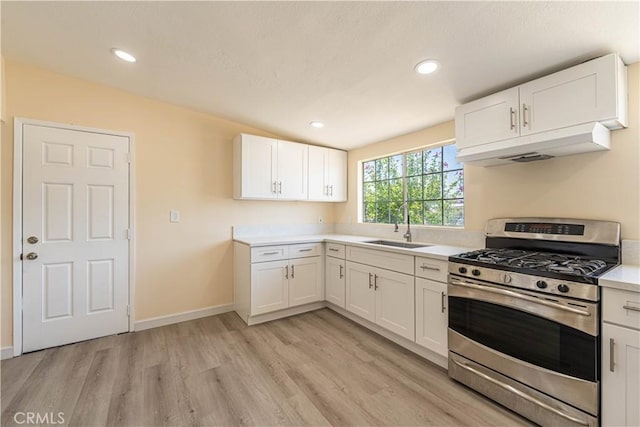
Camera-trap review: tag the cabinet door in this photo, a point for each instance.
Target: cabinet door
(337, 170)
(360, 296)
(334, 289)
(395, 302)
(318, 173)
(293, 163)
(620, 387)
(305, 280)
(581, 94)
(431, 315)
(258, 167)
(269, 286)
(489, 119)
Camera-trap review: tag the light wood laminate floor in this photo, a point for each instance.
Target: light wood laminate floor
(316, 368)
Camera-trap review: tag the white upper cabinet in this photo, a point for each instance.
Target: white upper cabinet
(594, 91)
(488, 119)
(270, 169)
(291, 176)
(327, 174)
(266, 168)
(254, 169)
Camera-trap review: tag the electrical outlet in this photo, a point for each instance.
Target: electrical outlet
(174, 216)
(320, 219)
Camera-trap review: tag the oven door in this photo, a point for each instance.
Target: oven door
(547, 342)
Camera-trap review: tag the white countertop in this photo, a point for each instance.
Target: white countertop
(625, 277)
(432, 251)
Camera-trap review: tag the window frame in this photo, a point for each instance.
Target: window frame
(405, 203)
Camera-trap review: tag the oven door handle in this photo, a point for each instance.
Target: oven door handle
(518, 295)
(519, 393)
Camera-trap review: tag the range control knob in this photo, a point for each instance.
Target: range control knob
(475, 272)
(507, 278)
(563, 288)
(541, 284)
(462, 270)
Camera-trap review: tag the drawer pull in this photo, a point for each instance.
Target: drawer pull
(630, 307)
(333, 250)
(305, 250)
(612, 362)
(271, 253)
(428, 267)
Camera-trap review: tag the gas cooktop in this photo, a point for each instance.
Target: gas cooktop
(514, 260)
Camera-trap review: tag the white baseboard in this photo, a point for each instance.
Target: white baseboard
(170, 319)
(6, 353)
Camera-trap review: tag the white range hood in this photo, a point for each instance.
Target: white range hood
(560, 142)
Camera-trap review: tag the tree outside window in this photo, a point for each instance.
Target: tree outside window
(430, 182)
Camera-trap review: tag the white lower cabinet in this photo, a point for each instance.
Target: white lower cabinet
(620, 357)
(305, 281)
(269, 287)
(431, 315)
(335, 281)
(268, 279)
(381, 296)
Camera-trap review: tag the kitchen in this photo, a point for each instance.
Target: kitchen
(183, 157)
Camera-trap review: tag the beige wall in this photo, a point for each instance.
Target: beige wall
(183, 161)
(601, 185)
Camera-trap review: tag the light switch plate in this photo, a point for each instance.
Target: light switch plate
(174, 216)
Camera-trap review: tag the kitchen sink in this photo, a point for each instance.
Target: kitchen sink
(397, 244)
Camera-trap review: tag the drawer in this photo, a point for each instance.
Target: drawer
(336, 250)
(434, 269)
(621, 307)
(269, 253)
(382, 259)
(305, 250)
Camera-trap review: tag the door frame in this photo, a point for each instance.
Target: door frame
(18, 123)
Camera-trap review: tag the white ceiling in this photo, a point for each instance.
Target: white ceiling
(279, 65)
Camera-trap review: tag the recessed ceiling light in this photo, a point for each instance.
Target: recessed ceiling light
(316, 124)
(427, 66)
(125, 56)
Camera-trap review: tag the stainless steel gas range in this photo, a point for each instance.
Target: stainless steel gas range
(524, 316)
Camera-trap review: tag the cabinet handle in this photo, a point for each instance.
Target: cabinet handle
(280, 187)
(286, 272)
(444, 296)
(293, 271)
(326, 190)
(370, 277)
(333, 249)
(341, 273)
(524, 115)
(375, 282)
(512, 116)
(428, 267)
(273, 186)
(331, 188)
(305, 250)
(612, 363)
(630, 307)
(271, 253)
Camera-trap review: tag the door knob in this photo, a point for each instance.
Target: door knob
(31, 256)
(33, 240)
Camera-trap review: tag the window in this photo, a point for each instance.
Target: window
(426, 184)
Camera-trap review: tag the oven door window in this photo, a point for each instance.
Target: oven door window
(526, 337)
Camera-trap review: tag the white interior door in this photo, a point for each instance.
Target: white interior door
(75, 236)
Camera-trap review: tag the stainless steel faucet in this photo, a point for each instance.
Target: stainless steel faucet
(407, 234)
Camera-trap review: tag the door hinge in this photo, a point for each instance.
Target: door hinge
(129, 234)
